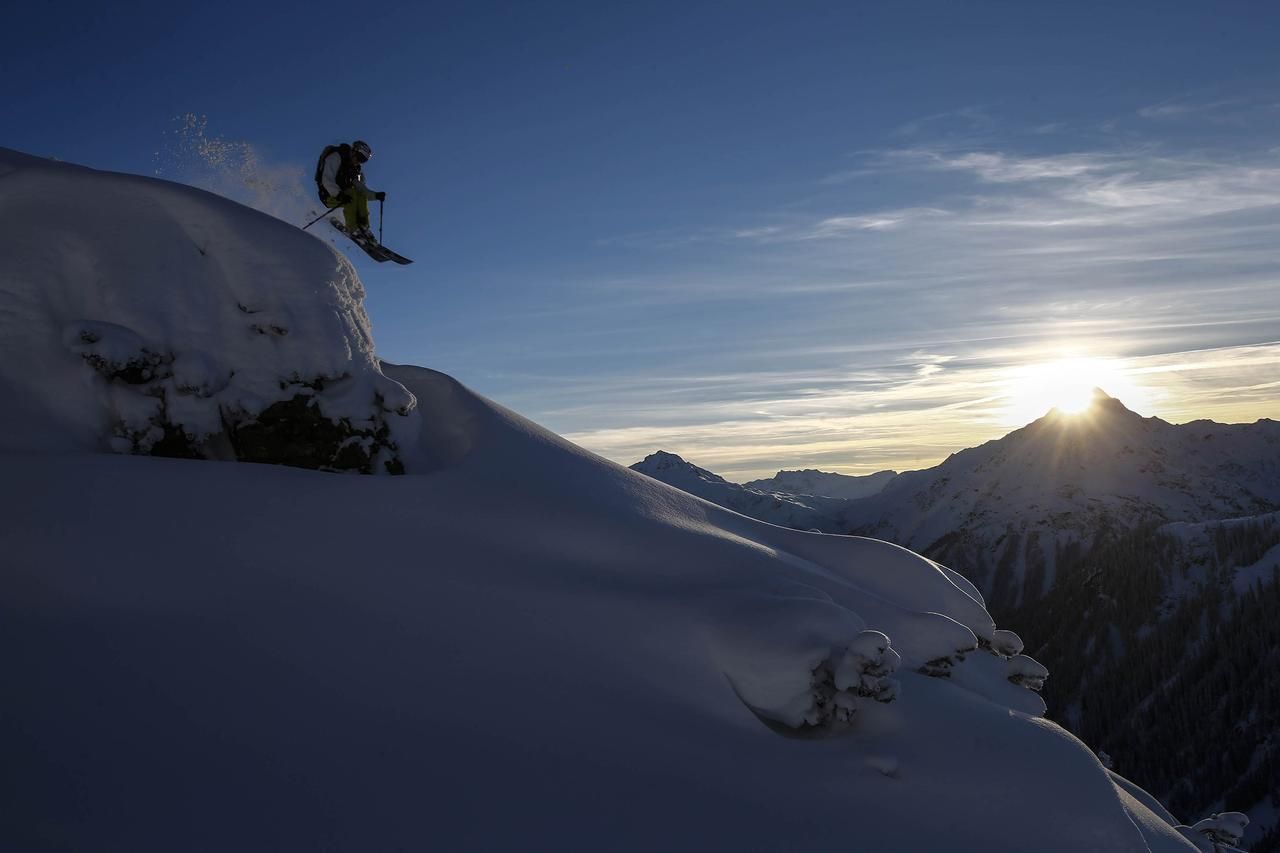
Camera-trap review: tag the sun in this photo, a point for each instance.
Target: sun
(1067, 385)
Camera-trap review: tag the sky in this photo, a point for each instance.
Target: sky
(763, 235)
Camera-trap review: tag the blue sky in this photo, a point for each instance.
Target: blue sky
(759, 234)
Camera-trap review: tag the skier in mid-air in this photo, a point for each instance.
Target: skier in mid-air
(340, 181)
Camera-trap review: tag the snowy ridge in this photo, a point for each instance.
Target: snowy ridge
(518, 645)
(823, 484)
(1200, 543)
(801, 512)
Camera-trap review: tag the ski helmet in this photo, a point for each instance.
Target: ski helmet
(362, 150)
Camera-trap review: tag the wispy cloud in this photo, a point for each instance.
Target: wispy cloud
(875, 337)
(1236, 110)
(1003, 168)
(966, 119)
(1180, 107)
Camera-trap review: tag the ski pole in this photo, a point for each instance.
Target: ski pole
(381, 202)
(317, 219)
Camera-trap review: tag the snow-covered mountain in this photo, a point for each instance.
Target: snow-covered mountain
(517, 645)
(823, 484)
(797, 511)
(1006, 512)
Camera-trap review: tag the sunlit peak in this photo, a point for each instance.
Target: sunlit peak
(1068, 386)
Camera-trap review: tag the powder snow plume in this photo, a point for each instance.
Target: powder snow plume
(235, 169)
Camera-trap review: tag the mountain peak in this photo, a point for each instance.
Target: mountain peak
(1101, 409)
(662, 461)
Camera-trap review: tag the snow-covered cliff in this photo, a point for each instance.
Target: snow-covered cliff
(149, 317)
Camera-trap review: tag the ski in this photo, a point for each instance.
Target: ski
(376, 251)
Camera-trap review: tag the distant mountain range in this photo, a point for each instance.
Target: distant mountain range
(1007, 513)
(811, 482)
(798, 511)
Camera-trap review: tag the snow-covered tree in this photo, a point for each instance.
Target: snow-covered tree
(1219, 833)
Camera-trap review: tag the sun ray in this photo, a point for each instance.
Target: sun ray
(1068, 386)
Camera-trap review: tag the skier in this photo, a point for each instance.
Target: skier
(340, 181)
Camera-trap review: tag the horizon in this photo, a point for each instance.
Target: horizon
(1082, 413)
(843, 239)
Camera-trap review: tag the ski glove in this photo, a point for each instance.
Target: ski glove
(380, 196)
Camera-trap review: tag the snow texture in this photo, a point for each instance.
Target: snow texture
(522, 646)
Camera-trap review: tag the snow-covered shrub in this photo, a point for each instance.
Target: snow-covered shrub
(805, 665)
(170, 406)
(943, 643)
(1027, 672)
(1217, 834)
(839, 684)
(116, 352)
(866, 667)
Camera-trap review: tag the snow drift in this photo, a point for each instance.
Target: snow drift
(524, 646)
(149, 317)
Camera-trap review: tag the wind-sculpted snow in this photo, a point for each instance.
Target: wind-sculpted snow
(527, 647)
(138, 315)
(518, 646)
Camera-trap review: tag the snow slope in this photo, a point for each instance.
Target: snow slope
(520, 646)
(530, 646)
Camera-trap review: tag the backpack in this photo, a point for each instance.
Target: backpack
(347, 170)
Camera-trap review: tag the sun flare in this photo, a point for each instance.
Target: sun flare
(1068, 385)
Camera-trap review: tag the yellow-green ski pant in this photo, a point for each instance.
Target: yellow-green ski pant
(356, 211)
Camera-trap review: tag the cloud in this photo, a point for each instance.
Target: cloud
(997, 167)
(1180, 107)
(870, 337)
(964, 119)
(1237, 110)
